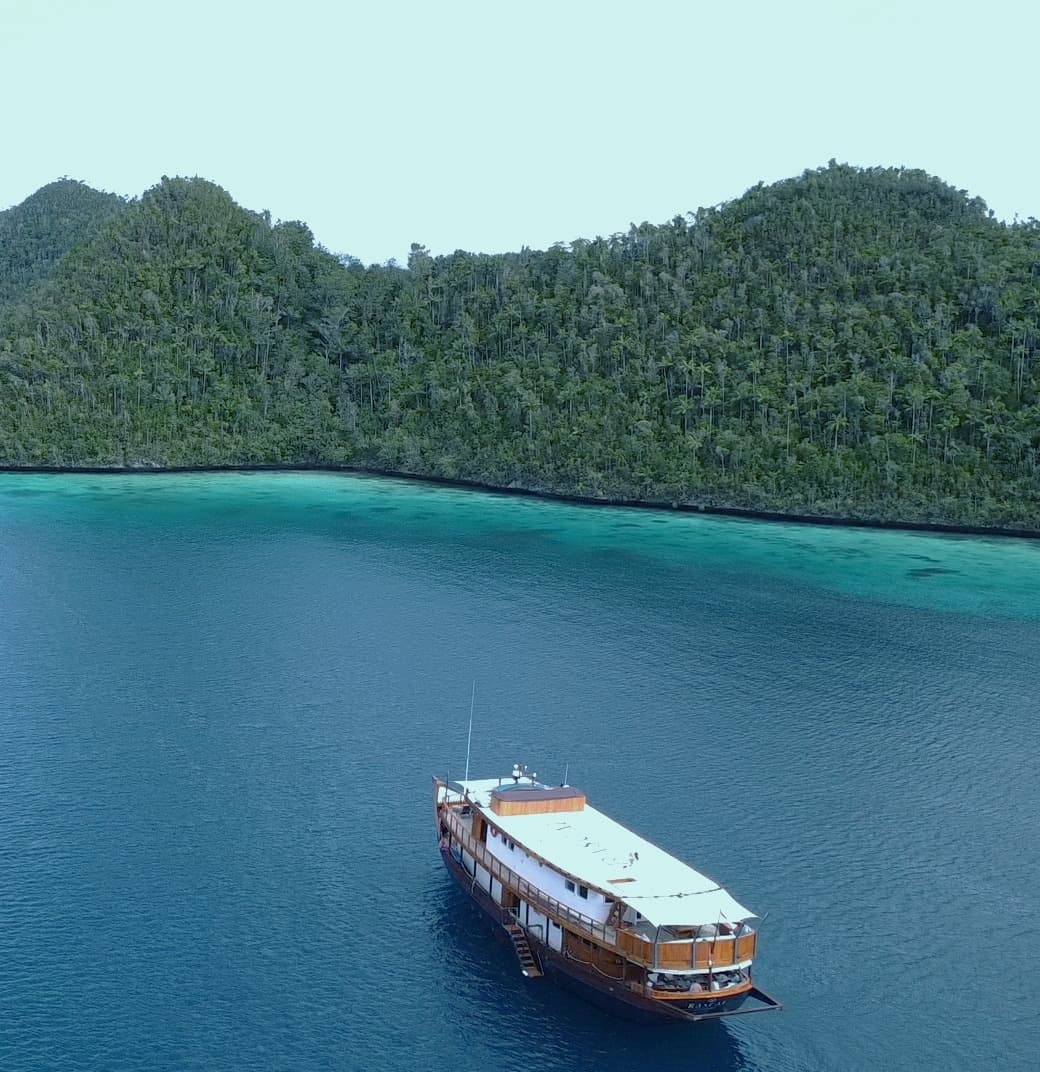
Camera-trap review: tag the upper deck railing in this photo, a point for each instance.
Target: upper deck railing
(532, 894)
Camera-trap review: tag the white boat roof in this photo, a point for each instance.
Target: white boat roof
(600, 852)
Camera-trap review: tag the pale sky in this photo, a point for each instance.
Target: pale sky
(488, 125)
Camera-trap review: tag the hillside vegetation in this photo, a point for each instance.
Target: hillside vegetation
(860, 343)
(36, 234)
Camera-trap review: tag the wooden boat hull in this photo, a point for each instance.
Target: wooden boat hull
(609, 994)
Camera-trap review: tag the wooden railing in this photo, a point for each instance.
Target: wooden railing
(706, 952)
(701, 953)
(535, 897)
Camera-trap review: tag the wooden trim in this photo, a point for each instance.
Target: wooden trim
(616, 914)
(747, 946)
(700, 995)
(510, 800)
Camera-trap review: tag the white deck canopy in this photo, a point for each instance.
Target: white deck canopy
(603, 854)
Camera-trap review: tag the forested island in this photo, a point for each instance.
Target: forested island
(853, 343)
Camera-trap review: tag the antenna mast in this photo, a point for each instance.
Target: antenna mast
(469, 738)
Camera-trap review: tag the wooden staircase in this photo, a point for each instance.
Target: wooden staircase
(524, 953)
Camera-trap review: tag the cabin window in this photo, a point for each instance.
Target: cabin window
(570, 885)
(583, 891)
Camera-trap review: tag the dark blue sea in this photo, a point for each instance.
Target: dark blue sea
(222, 698)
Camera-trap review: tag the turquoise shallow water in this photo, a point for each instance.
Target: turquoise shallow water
(221, 697)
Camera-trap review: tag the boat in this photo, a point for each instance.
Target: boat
(583, 898)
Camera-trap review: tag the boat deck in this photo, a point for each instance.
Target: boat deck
(609, 857)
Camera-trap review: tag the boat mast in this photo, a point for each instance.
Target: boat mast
(469, 738)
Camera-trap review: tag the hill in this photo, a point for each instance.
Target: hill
(182, 333)
(36, 234)
(853, 342)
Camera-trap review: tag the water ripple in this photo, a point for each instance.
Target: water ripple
(221, 699)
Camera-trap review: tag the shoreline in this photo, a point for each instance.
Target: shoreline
(746, 513)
